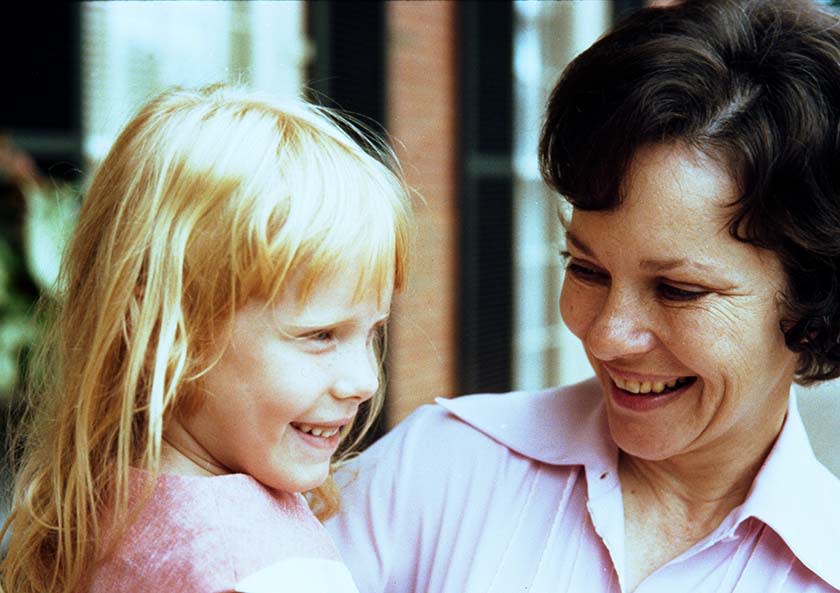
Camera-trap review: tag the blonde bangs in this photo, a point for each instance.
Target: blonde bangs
(331, 207)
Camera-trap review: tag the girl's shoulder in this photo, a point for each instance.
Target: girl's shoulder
(207, 533)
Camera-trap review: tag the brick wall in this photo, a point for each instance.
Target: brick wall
(421, 107)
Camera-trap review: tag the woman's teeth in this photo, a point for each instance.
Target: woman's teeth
(649, 386)
(317, 430)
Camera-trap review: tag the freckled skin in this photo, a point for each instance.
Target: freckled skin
(729, 338)
(286, 362)
(658, 287)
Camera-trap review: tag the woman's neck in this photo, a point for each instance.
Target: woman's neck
(701, 488)
(671, 504)
(711, 479)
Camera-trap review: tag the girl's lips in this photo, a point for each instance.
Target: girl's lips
(318, 430)
(327, 443)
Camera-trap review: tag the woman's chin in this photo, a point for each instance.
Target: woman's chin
(651, 426)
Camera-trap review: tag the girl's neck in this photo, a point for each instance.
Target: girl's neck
(180, 454)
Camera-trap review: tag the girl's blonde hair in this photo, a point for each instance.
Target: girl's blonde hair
(208, 198)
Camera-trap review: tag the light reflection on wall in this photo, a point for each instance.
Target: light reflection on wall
(133, 50)
(547, 35)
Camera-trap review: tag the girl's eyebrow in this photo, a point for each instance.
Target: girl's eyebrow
(312, 324)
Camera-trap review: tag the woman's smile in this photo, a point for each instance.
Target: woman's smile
(642, 391)
(639, 383)
(629, 398)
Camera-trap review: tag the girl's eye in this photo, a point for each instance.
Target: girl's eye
(321, 336)
(672, 293)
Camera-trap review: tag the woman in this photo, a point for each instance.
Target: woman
(697, 145)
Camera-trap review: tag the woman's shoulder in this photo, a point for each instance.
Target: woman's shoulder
(449, 473)
(547, 426)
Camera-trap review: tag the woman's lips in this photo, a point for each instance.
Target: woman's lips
(641, 396)
(653, 386)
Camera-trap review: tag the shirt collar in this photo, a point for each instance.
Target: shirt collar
(793, 493)
(799, 498)
(558, 426)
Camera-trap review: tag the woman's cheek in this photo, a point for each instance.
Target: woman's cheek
(577, 308)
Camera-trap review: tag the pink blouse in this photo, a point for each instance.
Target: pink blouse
(520, 493)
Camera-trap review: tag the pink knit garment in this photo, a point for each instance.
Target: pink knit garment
(206, 534)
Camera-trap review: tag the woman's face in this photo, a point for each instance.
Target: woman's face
(679, 320)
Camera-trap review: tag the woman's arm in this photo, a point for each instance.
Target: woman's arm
(377, 530)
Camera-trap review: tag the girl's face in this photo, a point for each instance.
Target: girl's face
(679, 320)
(292, 376)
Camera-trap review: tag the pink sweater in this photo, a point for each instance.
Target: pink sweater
(221, 534)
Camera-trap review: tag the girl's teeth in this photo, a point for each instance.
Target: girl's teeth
(316, 431)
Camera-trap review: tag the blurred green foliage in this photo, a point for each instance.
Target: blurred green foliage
(37, 216)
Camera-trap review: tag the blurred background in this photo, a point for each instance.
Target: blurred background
(459, 86)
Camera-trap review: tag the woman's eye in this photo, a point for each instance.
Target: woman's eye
(672, 293)
(586, 273)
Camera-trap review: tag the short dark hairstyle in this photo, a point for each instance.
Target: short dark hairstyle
(753, 84)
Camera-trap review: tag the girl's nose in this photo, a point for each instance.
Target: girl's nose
(357, 374)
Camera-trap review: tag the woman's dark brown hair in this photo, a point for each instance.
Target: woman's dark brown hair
(753, 84)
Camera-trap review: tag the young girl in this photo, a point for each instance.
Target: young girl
(224, 295)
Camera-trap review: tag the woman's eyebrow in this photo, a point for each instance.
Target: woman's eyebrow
(572, 238)
(664, 265)
(653, 265)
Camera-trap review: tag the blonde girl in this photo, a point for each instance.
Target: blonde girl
(223, 299)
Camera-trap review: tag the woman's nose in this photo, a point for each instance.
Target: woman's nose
(357, 373)
(620, 327)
